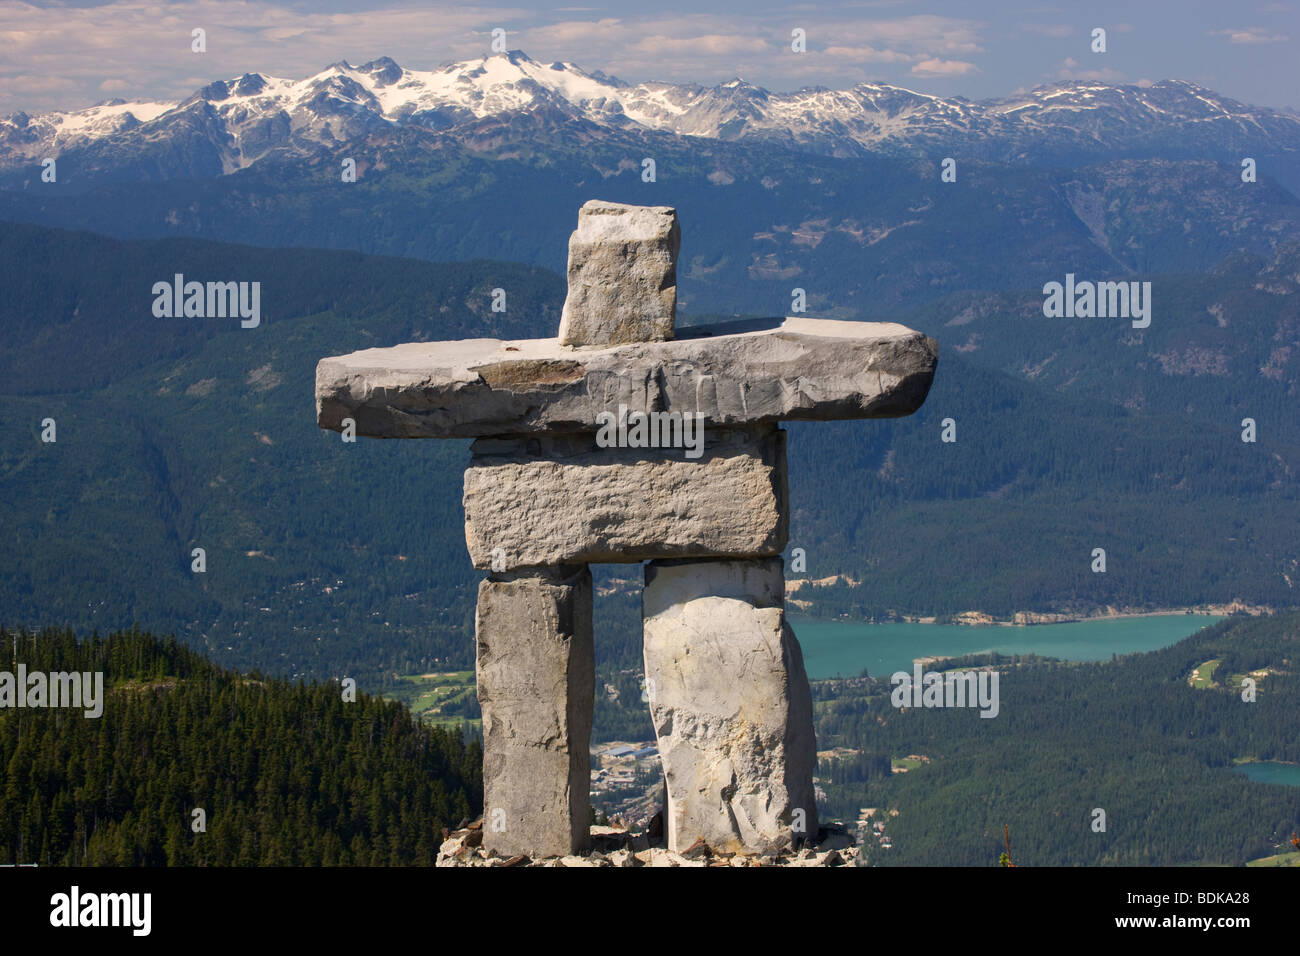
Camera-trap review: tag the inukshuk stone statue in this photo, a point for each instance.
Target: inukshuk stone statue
(547, 492)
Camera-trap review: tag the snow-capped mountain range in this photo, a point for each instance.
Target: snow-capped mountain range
(234, 123)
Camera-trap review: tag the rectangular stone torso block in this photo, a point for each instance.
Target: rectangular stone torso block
(536, 684)
(567, 501)
(730, 703)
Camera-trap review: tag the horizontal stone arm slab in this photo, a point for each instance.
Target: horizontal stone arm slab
(735, 374)
(548, 501)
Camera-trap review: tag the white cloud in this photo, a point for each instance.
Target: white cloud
(1049, 29)
(933, 67)
(709, 45)
(1249, 35)
(867, 54)
(922, 33)
(1069, 70)
(1105, 75)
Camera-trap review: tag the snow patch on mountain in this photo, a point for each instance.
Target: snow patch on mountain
(244, 118)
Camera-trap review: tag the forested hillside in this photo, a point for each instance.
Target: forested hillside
(173, 434)
(286, 774)
(1129, 736)
(326, 558)
(1006, 517)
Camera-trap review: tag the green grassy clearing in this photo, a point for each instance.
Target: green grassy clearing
(1203, 676)
(427, 694)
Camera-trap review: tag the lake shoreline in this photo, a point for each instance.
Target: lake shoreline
(834, 647)
(1269, 772)
(1030, 618)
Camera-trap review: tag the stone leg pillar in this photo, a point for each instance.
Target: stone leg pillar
(536, 684)
(730, 703)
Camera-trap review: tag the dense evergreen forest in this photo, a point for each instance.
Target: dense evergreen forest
(293, 774)
(286, 774)
(1130, 736)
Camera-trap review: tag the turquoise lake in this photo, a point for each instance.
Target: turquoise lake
(1270, 772)
(844, 648)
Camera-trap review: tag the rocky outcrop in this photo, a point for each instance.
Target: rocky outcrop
(619, 848)
(533, 502)
(622, 275)
(730, 703)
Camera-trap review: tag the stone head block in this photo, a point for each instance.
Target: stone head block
(622, 275)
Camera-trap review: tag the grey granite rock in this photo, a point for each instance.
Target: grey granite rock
(622, 275)
(536, 684)
(730, 704)
(743, 373)
(566, 501)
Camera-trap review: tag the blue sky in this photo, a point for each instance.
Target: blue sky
(69, 55)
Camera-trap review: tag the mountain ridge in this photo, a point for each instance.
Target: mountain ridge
(245, 118)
